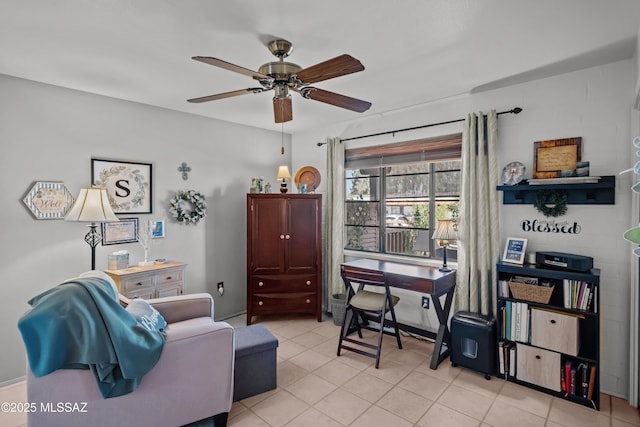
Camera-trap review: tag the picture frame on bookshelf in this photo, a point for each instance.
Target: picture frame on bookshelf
(514, 250)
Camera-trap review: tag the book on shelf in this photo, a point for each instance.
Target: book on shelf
(524, 322)
(585, 299)
(572, 387)
(514, 316)
(583, 369)
(507, 346)
(567, 377)
(518, 321)
(512, 360)
(580, 294)
(507, 323)
(503, 288)
(501, 357)
(592, 380)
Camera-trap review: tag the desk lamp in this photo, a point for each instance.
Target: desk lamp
(283, 175)
(92, 205)
(445, 233)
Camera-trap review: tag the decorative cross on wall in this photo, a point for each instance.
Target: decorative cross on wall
(185, 169)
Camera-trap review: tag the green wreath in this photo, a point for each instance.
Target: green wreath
(198, 203)
(551, 203)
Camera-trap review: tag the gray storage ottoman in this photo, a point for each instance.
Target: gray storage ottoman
(255, 361)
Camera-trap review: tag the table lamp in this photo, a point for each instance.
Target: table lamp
(283, 175)
(445, 233)
(92, 205)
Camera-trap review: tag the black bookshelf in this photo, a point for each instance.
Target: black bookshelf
(588, 332)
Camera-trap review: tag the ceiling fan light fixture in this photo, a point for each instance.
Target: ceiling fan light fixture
(281, 91)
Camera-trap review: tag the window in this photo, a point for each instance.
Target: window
(394, 196)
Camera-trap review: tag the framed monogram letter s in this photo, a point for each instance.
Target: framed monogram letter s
(128, 184)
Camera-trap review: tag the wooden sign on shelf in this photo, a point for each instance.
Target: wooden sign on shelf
(552, 156)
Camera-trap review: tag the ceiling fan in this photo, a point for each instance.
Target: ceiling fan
(282, 76)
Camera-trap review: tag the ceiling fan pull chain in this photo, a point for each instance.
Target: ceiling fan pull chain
(282, 138)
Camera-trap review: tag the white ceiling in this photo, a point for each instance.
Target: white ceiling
(414, 51)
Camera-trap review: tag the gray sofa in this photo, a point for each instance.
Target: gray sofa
(192, 381)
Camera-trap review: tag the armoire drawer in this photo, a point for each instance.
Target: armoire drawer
(270, 303)
(538, 366)
(283, 284)
(555, 331)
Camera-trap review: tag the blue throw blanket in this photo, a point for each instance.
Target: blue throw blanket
(80, 324)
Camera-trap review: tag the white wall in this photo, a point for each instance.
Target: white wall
(594, 104)
(50, 134)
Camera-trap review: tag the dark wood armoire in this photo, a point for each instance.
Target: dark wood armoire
(284, 254)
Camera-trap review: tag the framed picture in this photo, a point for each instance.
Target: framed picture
(128, 184)
(514, 250)
(556, 158)
(123, 231)
(48, 200)
(157, 229)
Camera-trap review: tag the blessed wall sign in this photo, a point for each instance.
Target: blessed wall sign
(549, 226)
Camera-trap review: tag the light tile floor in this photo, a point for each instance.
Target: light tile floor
(317, 388)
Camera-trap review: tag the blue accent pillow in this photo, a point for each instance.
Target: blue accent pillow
(147, 316)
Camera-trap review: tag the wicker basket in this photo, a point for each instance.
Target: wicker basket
(535, 293)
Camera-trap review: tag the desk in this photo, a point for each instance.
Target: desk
(428, 280)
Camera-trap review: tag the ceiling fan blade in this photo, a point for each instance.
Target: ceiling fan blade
(226, 95)
(282, 110)
(336, 67)
(232, 67)
(336, 99)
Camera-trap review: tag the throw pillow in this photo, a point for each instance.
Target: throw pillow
(146, 315)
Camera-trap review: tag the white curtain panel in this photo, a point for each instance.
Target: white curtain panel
(479, 226)
(334, 219)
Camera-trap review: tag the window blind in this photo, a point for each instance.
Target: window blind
(445, 147)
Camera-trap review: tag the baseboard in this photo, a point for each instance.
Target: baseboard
(13, 381)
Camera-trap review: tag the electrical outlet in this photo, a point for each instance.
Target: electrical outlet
(425, 302)
(220, 288)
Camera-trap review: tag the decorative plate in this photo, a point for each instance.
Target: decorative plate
(513, 173)
(307, 175)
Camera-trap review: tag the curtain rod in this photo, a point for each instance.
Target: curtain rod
(515, 110)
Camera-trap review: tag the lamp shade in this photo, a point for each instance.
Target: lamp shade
(445, 230)
(283, 173)
(92, 205)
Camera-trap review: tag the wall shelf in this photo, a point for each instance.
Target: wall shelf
(599, 193)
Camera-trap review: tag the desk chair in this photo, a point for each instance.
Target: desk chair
(367, 305)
